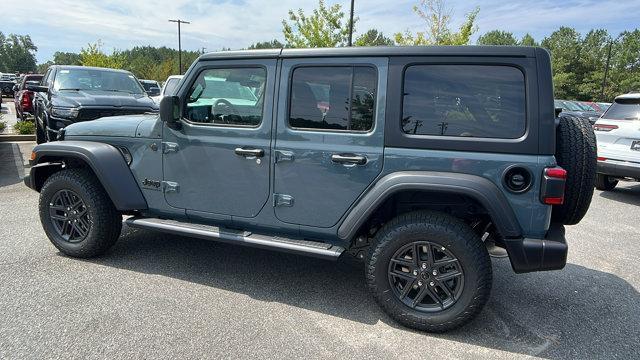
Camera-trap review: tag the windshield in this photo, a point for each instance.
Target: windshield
(147, 85)
(623, 110)
(96, 80)
(584, 107)
(170, 85)
(571, 106)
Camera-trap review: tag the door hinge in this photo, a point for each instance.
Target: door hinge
(170, 186)
(282, 200)
(282, 155)
(168, 147)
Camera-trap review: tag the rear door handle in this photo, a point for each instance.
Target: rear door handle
(348, 159)
(249, 152)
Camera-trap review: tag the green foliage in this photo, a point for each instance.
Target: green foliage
(17, 53)
(528, 40)
(497, 37)
(325, 27)
(437, 18)
(373, 38)
(3, 124)
(67, 58)
(25, 127)
(273, 44)
(93, 55)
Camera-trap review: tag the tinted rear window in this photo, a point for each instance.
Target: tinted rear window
(482, 101)
(623, 109)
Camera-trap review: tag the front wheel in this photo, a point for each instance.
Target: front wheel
(605, 182)
(40, 138)
(77, 214)
(429, 271)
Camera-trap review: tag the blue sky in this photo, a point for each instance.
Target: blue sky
(68, 25)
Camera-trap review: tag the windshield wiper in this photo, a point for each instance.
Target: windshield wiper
(71, 89)
(117, 90)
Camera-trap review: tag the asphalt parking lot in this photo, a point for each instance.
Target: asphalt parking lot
(162, 296)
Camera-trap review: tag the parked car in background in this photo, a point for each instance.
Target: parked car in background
(604, 106)
(23, 98)
(169, 87)
(597, 108)
(151, 87)
(7, 82)
(69, 94)
(572, 108)
(618, 138)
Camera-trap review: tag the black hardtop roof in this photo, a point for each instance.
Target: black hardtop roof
(470, 50)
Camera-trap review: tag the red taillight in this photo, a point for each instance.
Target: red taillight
(554, 200)
(600, 158)
(26, 101)
(556, 173)
(604, 127)
(552, 192)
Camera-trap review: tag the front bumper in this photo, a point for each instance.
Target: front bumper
(619, 168)
(528, 255)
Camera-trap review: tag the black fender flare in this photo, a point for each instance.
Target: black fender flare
(107, 164)
(481, 189)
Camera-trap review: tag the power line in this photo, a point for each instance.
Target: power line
(179, 22)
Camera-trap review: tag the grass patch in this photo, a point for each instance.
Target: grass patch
(25, 127)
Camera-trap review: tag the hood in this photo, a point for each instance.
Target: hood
(121, 126)
(70, 98)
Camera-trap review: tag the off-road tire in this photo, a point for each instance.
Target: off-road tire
(446, 231)
(605, 182)
(576, 153)
(40, 137)
(105, 221)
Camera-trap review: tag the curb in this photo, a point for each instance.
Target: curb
(5, 138)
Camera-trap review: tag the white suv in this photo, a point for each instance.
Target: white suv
(618, 135)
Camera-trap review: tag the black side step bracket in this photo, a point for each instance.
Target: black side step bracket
(297, 246)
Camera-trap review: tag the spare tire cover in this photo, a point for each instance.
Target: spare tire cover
(576, 152)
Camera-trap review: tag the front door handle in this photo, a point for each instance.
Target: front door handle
(249, 152)
(349, 159)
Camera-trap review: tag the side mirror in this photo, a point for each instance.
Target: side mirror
(16, 88)
(37, 88)
(153, 91)
(558, 111)
(170, 110)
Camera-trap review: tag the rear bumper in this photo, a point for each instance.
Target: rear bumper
(528, 255)
(619, 168)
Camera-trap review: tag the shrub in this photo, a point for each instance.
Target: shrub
(3, 125)
(25, 127)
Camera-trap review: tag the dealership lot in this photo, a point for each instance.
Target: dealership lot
(158, 295)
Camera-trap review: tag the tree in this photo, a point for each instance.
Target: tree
(325, 27)
(437, 19)
(528, 40)
(497, 37)
(66, 58)
(273, 44)
(94, 56)
(373, 38)
(17, 53)
(565, 45)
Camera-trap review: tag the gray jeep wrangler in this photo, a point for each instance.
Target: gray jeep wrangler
(411, 159)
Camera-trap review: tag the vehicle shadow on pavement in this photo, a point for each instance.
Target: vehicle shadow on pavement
(9, 174)
(628, 195)
(576, 312)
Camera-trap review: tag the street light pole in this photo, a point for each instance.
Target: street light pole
(606, 72)
(351, 25)
(179, 22)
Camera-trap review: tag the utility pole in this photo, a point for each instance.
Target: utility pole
(351, 25)
(179, 22)
(606, 72)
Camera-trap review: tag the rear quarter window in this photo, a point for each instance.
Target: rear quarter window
(483, 101)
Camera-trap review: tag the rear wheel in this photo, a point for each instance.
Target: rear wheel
(429, 271)
(77, 214)
(576, 153)
(605, 182)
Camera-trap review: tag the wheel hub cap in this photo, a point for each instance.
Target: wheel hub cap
(69, 216)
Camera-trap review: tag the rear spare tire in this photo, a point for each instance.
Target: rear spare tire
(576, 153)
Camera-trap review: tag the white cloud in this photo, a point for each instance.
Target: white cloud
(70, 24)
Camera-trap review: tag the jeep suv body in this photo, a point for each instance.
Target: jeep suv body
(406, 158)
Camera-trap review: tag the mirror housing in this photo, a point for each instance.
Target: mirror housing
(153, 91)
(170, 110)
(16, 88)
(37, 88)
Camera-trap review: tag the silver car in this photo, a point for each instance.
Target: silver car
(618, 136)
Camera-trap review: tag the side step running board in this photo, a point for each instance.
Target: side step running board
(302, 247)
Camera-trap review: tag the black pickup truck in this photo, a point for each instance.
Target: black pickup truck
(69, 94)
